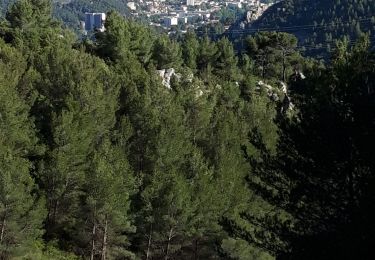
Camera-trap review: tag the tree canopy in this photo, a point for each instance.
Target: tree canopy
(135, 145)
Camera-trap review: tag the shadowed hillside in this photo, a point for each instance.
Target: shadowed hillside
(317, 23)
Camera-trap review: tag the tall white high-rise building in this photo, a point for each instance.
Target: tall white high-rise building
(190, 2)
(94, 21)
(170, 21)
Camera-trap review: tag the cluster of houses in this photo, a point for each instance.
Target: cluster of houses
(192, 13)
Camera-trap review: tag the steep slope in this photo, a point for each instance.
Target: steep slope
(318, 23)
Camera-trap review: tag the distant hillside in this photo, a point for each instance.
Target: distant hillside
(72, 11)
(3, 6)
(318, 23)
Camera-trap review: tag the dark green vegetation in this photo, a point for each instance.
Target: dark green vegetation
(99, 160)
(71, 12)
(318, 23)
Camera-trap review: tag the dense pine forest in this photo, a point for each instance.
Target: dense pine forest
(318, 23)
(267, 155)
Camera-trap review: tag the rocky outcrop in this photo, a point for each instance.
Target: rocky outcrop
(166, 76)
(280, 93)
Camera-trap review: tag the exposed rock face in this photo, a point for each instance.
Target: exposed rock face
(274, 92)
(269, 89)
(166, 76)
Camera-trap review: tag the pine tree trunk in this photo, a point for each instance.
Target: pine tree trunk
(149, 244)
(168, 244)
(54, 214)
(263, 68)
(50, 203)
(284, 68)
(52, 211)
(105, 236)
(93, 242)
(3, 223)
(196, 254)
(351, 182)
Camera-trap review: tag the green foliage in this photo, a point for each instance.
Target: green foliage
(228, 16)
(101, 158)
(275, 54)
(21, 210)
(166, 53)
(45, 252)
(109, 183)
(321, 195)
(206, 57)
(319, 24)
(79, 97)
(190, 49)
(27, 13)
(226, 63)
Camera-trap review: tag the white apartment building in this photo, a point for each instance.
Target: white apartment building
(94, 21)
(170, 21)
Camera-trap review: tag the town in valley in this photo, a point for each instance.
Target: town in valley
(186, 14)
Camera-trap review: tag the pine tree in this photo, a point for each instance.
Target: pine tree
(166, 53)
(21, 210)
(275, 54)
(165, 194)
(29, 13)
(190, 49)
(114, 42)
(226, 64)
(108, 186)
(29, 27)
(78, 100)
(206, 57)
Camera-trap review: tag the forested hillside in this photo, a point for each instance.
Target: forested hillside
(318, 23)
(71, 12)
(267, 155)
(3, 7)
